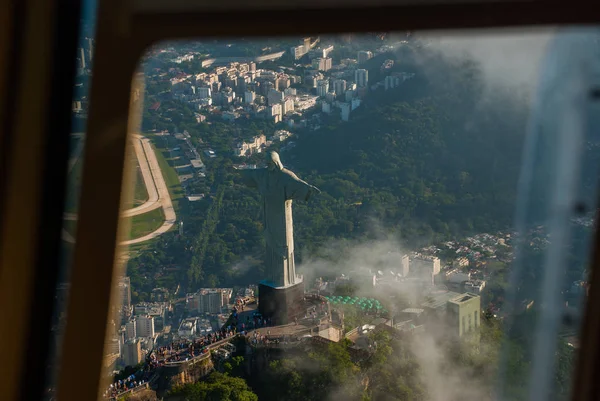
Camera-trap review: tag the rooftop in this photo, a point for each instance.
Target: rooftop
(197, 163)
(413, 310)
(463, 298)
(435, 301)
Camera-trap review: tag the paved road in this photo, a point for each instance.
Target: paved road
(153, 201)
(153, 198)
(163, 196)
(158, 192)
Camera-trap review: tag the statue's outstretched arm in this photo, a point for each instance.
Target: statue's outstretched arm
(299, 189)
(249, 178)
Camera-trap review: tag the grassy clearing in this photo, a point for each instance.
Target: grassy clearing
(140, 193)
(144, 224)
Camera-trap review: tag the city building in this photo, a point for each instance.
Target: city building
(249, 97)
(159, 295)
(326, 50)
(322, 64)
(405, 265)
(475, 286)
(345, 111)
(287, 106)
(289, 92)
(82, 58)
(275, 112)
(330, 97)
(230, 115)
(297, 52)
(391, 81)
(283, 82)
(364, 278)
(425, 267)
(203, 92)
(132, 354)
(144, 326)
(274, 96)
(361, 77)
(464, 312)
(457, 277)
(306, 42)
(436, 304)
(249, 148)
(125, 291)
(279, 136)
(363, 56)
(130, 330)
(158, 310)
(339, 86)
(322, 87)
(211, 300)
(187, 328)
(461, 262)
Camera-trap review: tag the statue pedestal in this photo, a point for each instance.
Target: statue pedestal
(281, 304)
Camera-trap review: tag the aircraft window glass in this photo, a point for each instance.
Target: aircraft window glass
(423, 174)
(79, 108)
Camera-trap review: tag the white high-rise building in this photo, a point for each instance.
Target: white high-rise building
(322, 64)
(276, 112)
(203, 92)
(287, 106)
(361, 77)
(322, 87)
(144, 326)
(405, 265)
(82, 56)
(212, 300)
(249, 97)
(326, 50)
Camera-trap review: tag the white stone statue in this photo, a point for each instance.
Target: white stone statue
(278, 187)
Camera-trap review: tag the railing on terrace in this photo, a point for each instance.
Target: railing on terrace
(205, 354)
(131, 391)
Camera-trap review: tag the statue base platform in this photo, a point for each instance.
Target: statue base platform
(281, 304)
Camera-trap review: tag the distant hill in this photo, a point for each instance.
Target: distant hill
(436, 157)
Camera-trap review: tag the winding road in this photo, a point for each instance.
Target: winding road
(158, 192)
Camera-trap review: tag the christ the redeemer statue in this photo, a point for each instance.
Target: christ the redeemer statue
(278, 187)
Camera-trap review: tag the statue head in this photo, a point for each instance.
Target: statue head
(273, 161)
